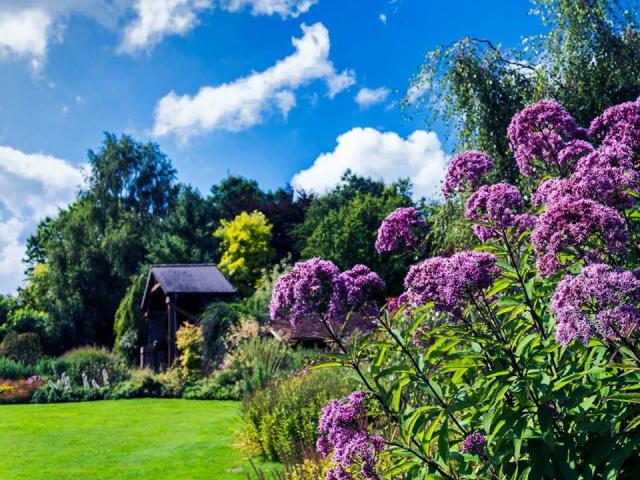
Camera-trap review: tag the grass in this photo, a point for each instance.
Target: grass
(122, 439)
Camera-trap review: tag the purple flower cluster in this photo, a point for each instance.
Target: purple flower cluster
(466, 171)
(573, 152)
(619, 124)
(306, 291)
(357, 289)
(316, 287)
(554, 190)
(524, 222)
(400, 228)
(343, 432)
(567, 226)
(539, 135)
(451, 282)
(600, 301)
(496, 207)
(605, 175)
(475, 443)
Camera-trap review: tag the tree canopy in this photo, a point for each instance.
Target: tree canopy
(247, 250)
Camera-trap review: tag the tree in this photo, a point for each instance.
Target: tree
(185, 235)
(284, 208)
(94, 247)
(247, 250)
(236, 194)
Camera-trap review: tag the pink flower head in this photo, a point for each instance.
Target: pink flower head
(466, 171)
(305, 291)
(495, 206)
(539, 133)
(316, 287)
(400, 228)
(451, 283)
(569, 227)
(475, 443)
(600, 301)
(606, 175)
(619, 124)
(573, 152)
(555, 190)
(357, 290)
(343, 432)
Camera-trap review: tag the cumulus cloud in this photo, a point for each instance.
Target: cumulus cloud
(380, 155)
(27, 27)
(24, 34)
(32, 186)
(383, 18)
(157, 19)
(284, 8)
(366, 97)
(245, 102)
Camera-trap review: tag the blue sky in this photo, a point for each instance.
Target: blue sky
(276, 90)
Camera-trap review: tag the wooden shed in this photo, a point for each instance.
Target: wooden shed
(175, 294)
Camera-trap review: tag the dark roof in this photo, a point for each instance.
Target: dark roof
(202, 278)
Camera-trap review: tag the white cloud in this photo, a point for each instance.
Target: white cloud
(367, 97)
(380, 155)
(158, 18)
(245, 102)
(32, 186)
(27, 27)
(24, 35)
(284, 8)
(383, 18)
(12, 251)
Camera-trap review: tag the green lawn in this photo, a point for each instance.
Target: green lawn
(122, 439)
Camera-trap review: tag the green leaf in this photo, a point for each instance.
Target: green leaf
(443, 441)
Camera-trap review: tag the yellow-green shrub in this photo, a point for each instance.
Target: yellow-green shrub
(190, 341)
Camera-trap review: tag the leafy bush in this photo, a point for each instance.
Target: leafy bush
(216, 321)
(21, 347)
(26, 320)
(246, 329)
(91, 362)
(246, 248)
(190, 342)
(518, 359)
(221, 385)
(314, 468)
(261, 360)
(47, 393)
(146, 384)
(15, 370)
(281, 420)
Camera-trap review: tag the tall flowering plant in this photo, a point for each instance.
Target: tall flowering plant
(518, 359)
